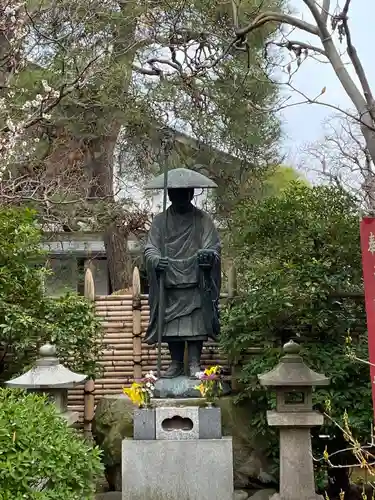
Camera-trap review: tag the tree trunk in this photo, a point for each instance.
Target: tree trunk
(99, 167)
(118, 257)
(116, 234)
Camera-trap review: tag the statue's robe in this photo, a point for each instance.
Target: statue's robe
(191, 293)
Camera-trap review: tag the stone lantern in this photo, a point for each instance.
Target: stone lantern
(49, 377)
(294, 416)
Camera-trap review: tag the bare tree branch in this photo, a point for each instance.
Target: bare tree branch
(276, 17)
(352, 52)
(325, 10)
(296, 46)
(342, 157)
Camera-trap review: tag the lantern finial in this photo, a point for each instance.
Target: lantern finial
(47, 351)
(291, 347)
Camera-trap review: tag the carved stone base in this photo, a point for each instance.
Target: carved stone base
(181, 387)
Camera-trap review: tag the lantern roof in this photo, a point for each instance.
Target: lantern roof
(47, 373)
(292, 371)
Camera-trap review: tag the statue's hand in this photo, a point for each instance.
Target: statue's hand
(162, 264)
(205, 258)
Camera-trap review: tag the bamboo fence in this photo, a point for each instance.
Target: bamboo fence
(125, 357)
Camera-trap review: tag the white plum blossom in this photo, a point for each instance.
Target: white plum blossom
(22, 108)
(46, 87)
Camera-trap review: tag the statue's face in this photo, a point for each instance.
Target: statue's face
(181, 198)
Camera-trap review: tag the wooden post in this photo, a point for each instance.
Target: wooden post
(232, 281)
(232, 292)
(137, 340)
(89, 398)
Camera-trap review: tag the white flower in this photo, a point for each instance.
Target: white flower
(150, 375)
(148, 385)
(10, 125)
(199, 375)
(46, 87)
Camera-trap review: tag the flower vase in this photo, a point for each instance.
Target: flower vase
(210, 421)
(144, 423)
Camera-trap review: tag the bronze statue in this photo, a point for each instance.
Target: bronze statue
(191, 270)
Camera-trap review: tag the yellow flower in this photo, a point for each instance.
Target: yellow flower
(213, 370)
(134, 393)
(201, 388)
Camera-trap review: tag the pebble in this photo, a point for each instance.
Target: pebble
(240, 495)
(263, 494)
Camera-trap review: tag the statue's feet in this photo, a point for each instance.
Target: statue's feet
(194, 368)
(174, 370)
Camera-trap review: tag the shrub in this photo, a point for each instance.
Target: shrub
(42, 458)
(27, 317)
(299, 268)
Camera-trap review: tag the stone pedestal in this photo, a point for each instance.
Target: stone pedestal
(187, 460)
(296, 466)
(199, 469)
(177, 422)
(181, 387)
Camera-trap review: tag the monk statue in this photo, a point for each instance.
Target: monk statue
(192, 274)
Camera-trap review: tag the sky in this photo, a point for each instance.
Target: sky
(304, 124)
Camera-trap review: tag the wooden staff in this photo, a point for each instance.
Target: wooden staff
(163, 252)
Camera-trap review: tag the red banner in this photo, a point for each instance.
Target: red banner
(368, 266)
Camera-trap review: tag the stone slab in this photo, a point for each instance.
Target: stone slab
(210, 423)
(144, 424)
(181, 387)
(177, 423)
(277, 496)
(177, 470)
